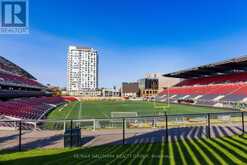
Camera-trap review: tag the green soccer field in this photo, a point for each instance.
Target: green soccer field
(103, 109)
(226, 150)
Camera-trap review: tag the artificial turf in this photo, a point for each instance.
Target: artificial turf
(103, 109)
(225, 150)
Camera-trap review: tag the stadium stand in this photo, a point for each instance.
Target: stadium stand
(30, 108)
(221, 79)
(7, 66)
(22, 97)
(218, 84)
(70, 98)
(13, 79)
(15, 82)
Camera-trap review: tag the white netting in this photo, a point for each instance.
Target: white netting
(123, 114)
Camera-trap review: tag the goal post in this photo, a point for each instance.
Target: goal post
(160, 103)
(85, 123)
(123, 114)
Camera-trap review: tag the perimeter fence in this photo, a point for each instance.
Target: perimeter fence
(27, 134)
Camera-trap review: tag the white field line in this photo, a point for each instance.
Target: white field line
(80, 110)
(65, 105)
(70, 111)
(105, 115)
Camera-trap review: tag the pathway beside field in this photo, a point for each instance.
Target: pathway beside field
(137, 136)
(54, 139)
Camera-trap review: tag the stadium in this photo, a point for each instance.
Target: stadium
(198, 121)
(221, 84)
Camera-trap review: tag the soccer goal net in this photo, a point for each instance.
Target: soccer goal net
(89, 124)
(123, 114)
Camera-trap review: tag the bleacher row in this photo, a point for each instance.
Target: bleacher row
(219, 89)
(209, 90)
(20, 93)
(219, 92)
(29, 108)
(70, 98)
(14, 79)
(220, 79)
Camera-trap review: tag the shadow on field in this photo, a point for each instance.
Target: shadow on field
(187, 145)
(14, 136)
(189, 151)
(86, 139)
(36, 142)
(42, 159)
(194, 132)
(7, 138)
(136, 136)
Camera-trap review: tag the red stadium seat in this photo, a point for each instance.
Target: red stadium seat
(31, 108)
(219, 89)
(221, 79)
(14, 79)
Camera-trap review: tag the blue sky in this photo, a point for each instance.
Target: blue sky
(133, 37)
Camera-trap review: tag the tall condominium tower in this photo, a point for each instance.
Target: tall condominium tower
(82, 70)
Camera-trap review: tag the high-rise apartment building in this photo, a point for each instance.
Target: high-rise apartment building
(82, 70)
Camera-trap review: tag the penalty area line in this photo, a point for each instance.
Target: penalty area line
(66, 117)
(65, 105)
(105, 115)
(79, 115)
